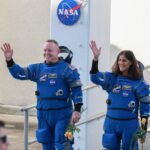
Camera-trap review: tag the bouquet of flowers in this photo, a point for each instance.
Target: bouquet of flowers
(72, 128)
(70, 131)
(140, 134)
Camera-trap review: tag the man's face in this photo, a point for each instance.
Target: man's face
(3, 140)
(51, 51)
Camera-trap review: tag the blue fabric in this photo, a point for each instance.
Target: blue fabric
(124, 131)
(54, 82)
(110, 141)
(121, 92)
(43, 135)
(57, 86)
(56, 122)
(123, 104)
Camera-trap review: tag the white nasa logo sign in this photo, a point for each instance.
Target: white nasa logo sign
(68, 11)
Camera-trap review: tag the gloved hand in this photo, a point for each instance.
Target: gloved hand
(144, 123)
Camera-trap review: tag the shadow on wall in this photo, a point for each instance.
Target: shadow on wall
(115, 50)
(147, 75)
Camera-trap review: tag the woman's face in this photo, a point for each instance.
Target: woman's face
(124, 64)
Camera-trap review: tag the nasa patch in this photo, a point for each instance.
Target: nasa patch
(68, 12)
(125, 94)
(52, 82)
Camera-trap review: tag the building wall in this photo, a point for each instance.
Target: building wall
(25, 25)
(94, 24)
(96, 97)
(130, 27)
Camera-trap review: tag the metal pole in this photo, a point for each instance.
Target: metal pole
(26, 130)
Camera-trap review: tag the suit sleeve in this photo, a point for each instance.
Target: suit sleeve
(22, 73)
(72, 78)
(104, 79)
(142, 93)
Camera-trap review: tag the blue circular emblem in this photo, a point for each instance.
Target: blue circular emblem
(68, 12)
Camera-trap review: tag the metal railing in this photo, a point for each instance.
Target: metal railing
(26, 125)
(147, 67)
(28, 108)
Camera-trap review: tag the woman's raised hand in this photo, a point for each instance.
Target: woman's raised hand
(96, 51)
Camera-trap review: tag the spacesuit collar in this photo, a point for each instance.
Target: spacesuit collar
(51, 63)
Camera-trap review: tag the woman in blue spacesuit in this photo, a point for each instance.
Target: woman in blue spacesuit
(127, 93)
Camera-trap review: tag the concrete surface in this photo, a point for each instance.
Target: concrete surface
(14, 127)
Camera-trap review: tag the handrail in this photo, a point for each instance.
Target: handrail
(147, 67)
(28, 107)
(92, 118)
(32, 141)
(90, 86)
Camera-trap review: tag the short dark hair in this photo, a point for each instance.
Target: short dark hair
(53, 41)
(135, 70)
(2, 124)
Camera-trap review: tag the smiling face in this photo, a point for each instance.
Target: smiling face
(51, 51)
(124, 64)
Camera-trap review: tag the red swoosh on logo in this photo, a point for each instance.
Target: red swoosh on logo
(76, 7)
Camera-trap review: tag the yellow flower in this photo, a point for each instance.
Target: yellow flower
(70, 136)
(66, 134)
(143, 121)
(70, 131)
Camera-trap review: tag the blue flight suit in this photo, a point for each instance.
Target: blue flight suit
(125, 97)
(57, 85)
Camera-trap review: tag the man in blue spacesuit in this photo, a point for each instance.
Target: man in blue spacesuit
(58, 84)
(127, 93)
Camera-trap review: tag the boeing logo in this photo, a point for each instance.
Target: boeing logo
(68, 12)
